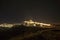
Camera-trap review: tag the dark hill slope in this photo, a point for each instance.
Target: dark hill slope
(28, 33)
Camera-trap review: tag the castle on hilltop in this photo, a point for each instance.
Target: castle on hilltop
(33, 23)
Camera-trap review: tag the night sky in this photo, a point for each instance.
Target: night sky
(12, 11)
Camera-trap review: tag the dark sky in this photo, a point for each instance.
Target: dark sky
(12, 11)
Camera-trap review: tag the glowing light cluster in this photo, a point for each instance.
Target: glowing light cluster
(30, 22)
(6, 25)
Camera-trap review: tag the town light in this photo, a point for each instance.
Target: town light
(30, 22)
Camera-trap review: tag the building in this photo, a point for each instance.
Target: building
(35, 24)
(6, 25)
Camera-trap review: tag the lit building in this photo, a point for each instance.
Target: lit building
(32, 23)
(6, 25)
(29, 23)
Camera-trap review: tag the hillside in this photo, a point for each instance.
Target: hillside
(29, 33)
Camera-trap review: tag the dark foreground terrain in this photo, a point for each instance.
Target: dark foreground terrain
(29, 33)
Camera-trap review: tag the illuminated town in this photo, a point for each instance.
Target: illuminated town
(28, 23)
(37, 24)
(6, 25)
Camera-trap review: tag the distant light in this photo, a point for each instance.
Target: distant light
(6, 25)
(30, 22)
